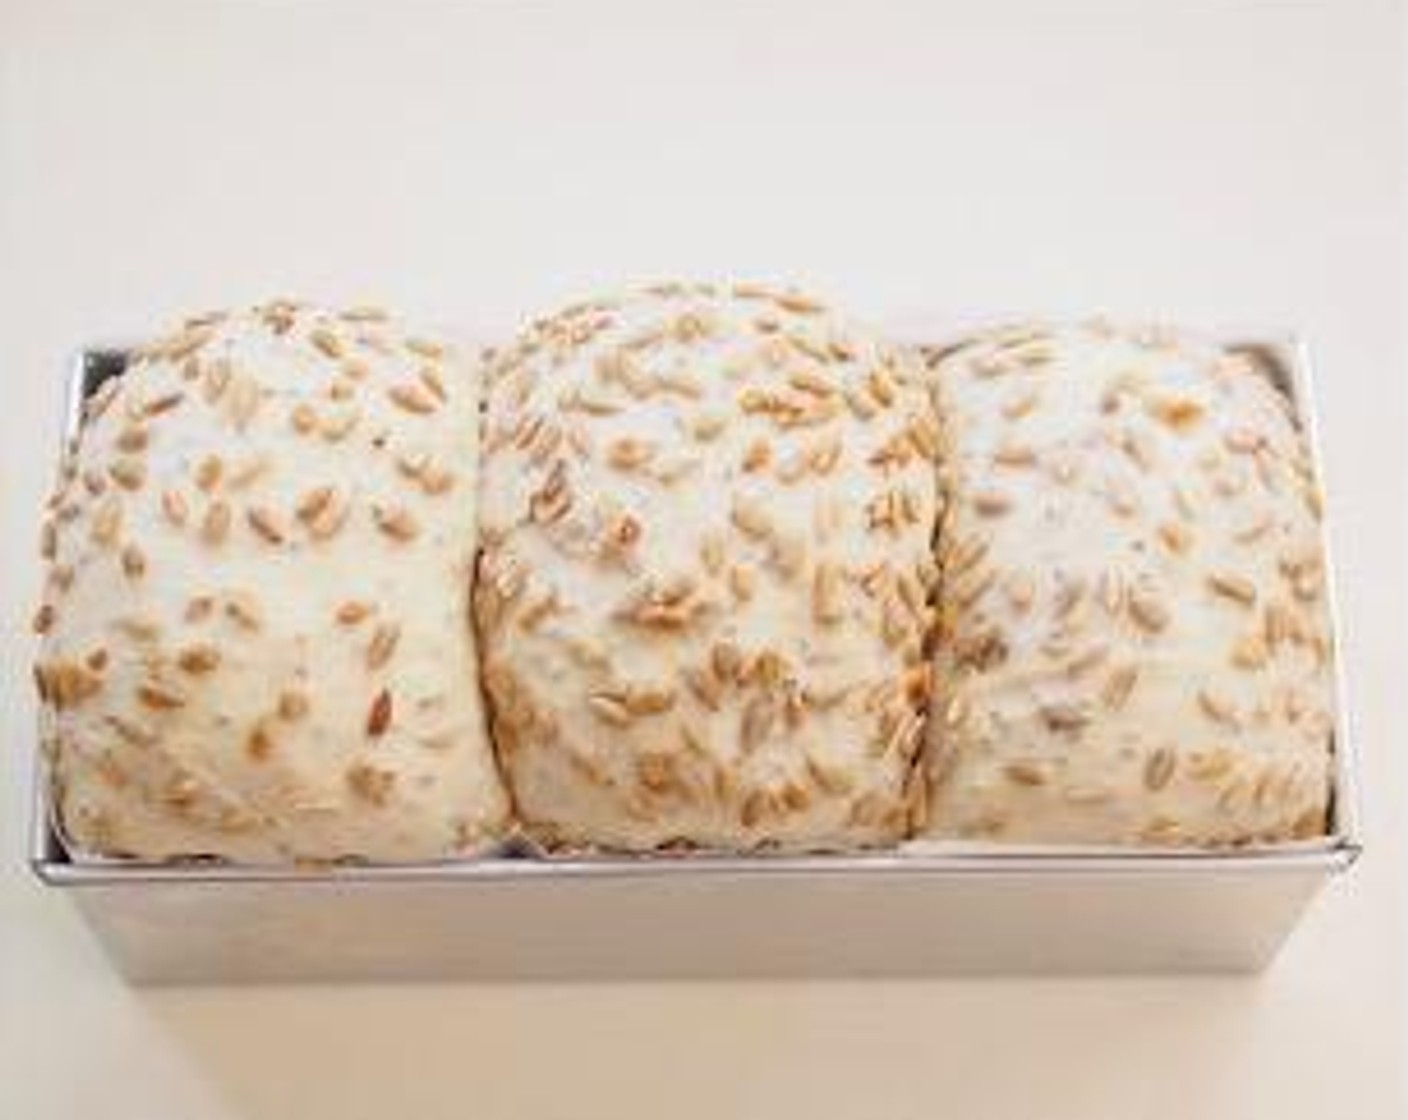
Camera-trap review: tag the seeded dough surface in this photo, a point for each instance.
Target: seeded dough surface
(1134, 643)
(704, 594)
(257, 635)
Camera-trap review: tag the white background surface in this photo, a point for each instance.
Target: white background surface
(1216, 163)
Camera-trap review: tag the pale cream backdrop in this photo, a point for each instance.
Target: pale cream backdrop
(1219, 163)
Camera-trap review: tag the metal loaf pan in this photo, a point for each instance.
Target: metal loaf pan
(940, 910)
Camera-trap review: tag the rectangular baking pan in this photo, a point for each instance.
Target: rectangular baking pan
(934, 910)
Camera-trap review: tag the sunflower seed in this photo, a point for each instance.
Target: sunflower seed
(371, 783)
(327, 343)
(216, 524)
(1024, 774)
(160, 697)
(1158, 769)
(208, 472)
(379, 714)
(1231, 586)
(293, 704)
(1118, 687)
(1217, 707)
(352, 612)
(383, 644)
(198, 659)
(396, 522)
(411, 398)
(1147, 610)
(107, 522)
(266, 523)
(134, 562)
